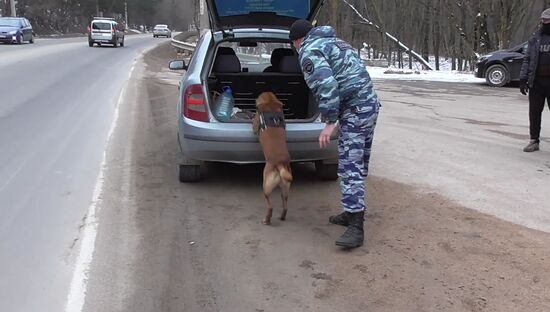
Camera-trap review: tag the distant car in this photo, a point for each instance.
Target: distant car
(103, 30)
(250, 52)
(500, 68)
(162, 30)
(15, 30)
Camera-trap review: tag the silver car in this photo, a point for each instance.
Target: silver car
(162, 30)
(248, 50)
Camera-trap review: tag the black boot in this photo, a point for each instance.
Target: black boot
(340, 219)
(354, 235)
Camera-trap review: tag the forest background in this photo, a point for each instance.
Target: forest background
(457, 30)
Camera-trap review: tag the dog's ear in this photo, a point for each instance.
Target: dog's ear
(262, 99)
(275, 101)
(260, 102)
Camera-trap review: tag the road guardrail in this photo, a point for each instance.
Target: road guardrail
(186, 46)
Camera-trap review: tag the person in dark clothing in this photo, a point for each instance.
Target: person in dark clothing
(535, 79)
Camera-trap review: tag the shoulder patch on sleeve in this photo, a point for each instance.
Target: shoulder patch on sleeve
(308, 67)
(343, 46)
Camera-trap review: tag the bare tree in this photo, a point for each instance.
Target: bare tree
(455, 29)
(437, 32)
(399, 45)
(425, 33)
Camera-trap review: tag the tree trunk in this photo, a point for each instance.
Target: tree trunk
(335, 13)
(426, 30)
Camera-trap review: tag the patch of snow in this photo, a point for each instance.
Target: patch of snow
(445, 73)
(425, 75)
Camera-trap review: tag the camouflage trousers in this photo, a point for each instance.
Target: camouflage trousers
(354, 147)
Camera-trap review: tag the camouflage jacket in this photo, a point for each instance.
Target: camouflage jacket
(335, 73)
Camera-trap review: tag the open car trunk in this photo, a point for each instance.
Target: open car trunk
(291, 90)
(247, 82)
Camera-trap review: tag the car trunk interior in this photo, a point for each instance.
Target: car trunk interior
(247, 76)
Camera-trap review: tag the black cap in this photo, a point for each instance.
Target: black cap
(299, 29)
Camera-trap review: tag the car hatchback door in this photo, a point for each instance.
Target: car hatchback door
(101, 30)
(231, 14)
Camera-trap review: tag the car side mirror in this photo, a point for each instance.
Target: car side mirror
(177, 65)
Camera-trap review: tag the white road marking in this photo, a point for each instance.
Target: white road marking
(8, 181)
(77, 292)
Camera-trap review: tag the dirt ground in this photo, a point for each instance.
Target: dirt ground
(166, 246)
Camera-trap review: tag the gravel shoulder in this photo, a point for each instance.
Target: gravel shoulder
(166, 246)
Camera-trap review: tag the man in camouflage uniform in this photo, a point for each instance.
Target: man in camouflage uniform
(338, 78)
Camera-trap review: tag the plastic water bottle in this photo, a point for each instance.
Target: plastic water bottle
(224, 105)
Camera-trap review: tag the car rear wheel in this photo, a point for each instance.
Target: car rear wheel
(122, 43)
(90, 43)
(32, 39)
(497, 76)
(189, 173)
(326, 171)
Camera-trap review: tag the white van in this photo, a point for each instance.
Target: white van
(103, 30)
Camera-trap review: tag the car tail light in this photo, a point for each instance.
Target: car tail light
(194, 103)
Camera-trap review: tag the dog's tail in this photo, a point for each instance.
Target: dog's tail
(285, 172)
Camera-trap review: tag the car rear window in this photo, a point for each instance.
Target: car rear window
(101, 26)
(161, 26)
(256, 59)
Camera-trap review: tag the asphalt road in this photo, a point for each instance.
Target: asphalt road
(58, 101)
(465, 142)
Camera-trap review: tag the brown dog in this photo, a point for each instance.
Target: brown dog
(269, 125)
